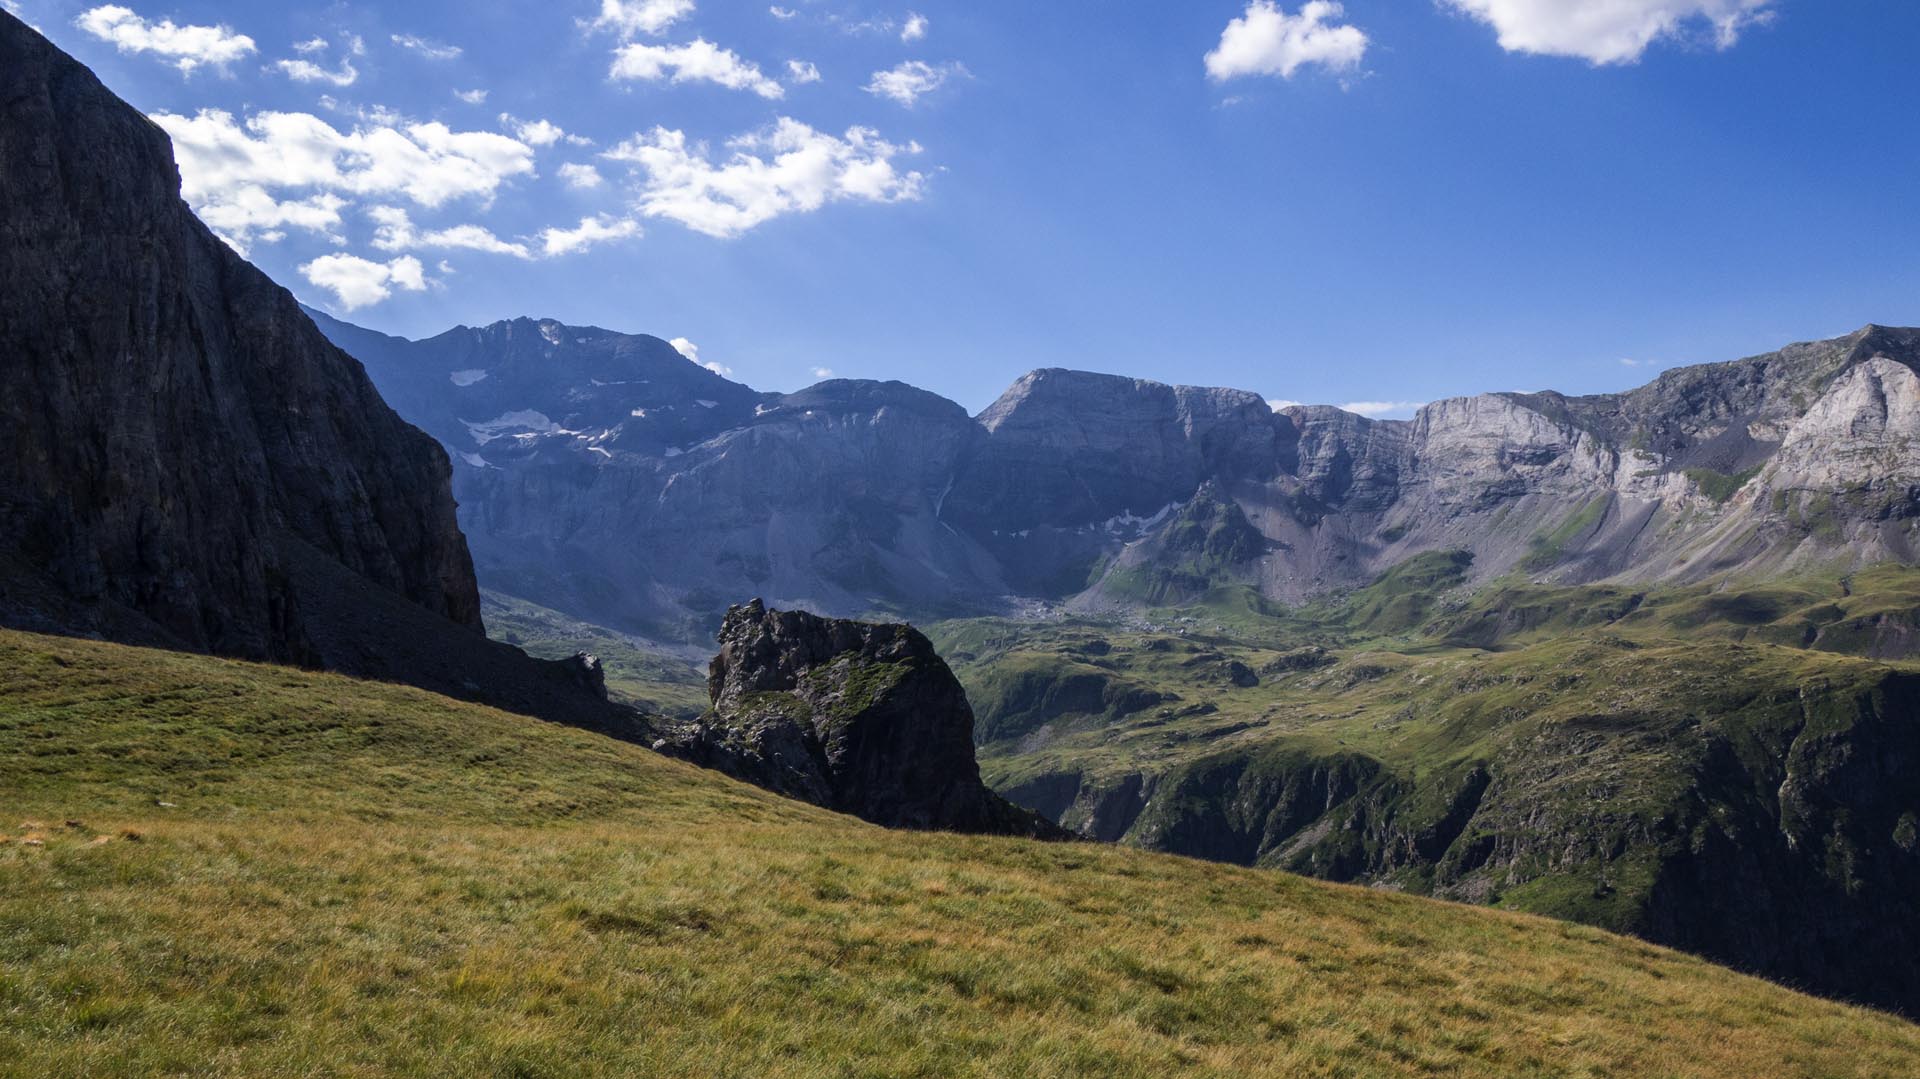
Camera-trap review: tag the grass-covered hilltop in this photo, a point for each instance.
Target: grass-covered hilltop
(214, 868)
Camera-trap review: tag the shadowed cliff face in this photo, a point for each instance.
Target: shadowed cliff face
(185, 460)
(169, 420)
(861, 718)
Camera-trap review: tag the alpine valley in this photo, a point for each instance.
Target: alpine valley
(531, 700)
(1635, 660)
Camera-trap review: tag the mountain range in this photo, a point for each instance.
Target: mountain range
(625, 484)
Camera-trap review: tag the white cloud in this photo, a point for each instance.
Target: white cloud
(692, 352)
(250, 213)
(1632, 363)
(236, 176)
(189, 47)
(432, 50)
(908, 82)
(916, 27)
(318, 44)
(591, 231)
(782, 13)
(1378, 409)
(630, 18)
(1610, 31)
(396, 232)
(359, 282)
(802, 72)
(472, 97)
(581, 177)
(308, 71)
(788, 168)
(700, 61)
(533, 132)
(823, 372)
(1268, 41)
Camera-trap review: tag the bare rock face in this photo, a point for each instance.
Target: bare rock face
(185, 460)
(857, 717)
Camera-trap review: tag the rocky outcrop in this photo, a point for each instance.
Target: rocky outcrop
(860, 718)
(185, 460)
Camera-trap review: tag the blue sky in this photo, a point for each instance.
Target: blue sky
(1382, 201)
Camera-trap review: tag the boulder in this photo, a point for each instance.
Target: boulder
(858, 717)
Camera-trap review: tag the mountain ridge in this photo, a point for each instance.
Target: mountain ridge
(892, 500)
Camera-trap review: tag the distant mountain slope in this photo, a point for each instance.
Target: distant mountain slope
(185, 460)
(304, 874)
(1695, 765)
(668, 492)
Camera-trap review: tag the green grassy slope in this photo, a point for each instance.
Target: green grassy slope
(1725, 769)
(1159, 690)
(213, 868)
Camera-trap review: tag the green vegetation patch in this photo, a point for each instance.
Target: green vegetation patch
(1718, 486)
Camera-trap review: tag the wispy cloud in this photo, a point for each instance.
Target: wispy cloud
(187, 47)
(432, 50)
(785, 169)
(698, 61)
(590, 232)
(308, 71)
(912, 80)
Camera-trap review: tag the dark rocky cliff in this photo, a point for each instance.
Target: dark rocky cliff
(857, 717)
(169, 419)
(185, 460)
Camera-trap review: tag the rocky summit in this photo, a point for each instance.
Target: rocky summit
(857, 717)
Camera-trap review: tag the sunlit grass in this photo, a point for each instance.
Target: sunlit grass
(307, 875)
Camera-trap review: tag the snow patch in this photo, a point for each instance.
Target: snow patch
(708, 404)
(475, 460)
(601, 452)
(551, 331)
(467, 378)
(1128, 522)
(674, 451)
(525, 423)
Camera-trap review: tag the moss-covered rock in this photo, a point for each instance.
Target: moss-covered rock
(858, 717)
